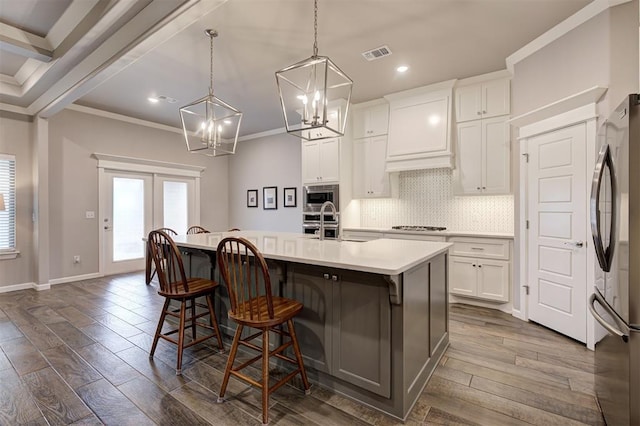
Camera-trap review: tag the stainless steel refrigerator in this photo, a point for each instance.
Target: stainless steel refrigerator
(615, 303)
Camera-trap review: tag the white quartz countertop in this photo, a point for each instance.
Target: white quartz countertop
(381, 256)
(445, 233)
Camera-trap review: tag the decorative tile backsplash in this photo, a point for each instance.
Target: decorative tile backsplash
(426, 198)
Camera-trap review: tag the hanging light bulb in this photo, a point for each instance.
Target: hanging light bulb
(210, 125)
(305, 90)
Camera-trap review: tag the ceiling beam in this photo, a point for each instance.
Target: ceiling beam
(154, 25)
(25, 44)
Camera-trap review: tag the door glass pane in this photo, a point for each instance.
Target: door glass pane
(128, 218)
(175, 209)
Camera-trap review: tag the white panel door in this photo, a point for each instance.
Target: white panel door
(126, 219)
(379, 184)
(330, 160)
(311, 162)
(464, 276)
(557, 253)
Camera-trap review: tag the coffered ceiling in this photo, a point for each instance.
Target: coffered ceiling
(113, 55)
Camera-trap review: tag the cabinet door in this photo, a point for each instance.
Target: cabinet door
(359, 168)
(463, 275)
(493, 280)
(468, 103)
(310, 162)
(313, 324)
(496, 156)
(361, 332)
(329, 160)
(469, 157)
(359, 118)
(419, 128)
(496, 98)
(379, 183)
(378, 120)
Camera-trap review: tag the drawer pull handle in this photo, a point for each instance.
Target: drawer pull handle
(477, 248)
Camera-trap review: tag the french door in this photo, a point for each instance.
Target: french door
(127, 217)
(134, 203)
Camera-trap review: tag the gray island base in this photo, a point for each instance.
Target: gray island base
(375, 319)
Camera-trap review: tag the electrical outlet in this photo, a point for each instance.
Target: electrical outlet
(90, 214)
(76, 258)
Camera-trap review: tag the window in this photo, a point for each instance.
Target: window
(8, 192)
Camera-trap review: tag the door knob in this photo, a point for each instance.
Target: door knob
(574, 243)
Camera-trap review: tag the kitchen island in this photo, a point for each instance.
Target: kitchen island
(375, 317)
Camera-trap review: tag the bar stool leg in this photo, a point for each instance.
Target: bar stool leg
(265, 376)
(230, 360)
(159, 328)
(183, 308)
(214, 321)
(296, 349)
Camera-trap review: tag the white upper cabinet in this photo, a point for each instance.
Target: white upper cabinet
(483, 100)
(482, 135)
(321, 161)
(483, 157)
(370, 180)
(372, 120)
(419, 128)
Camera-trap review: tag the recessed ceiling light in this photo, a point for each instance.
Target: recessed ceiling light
(153, 100)
(402, 68)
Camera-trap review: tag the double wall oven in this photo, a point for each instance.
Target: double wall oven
(314, 196)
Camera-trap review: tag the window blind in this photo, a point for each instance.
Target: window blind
(8, 191)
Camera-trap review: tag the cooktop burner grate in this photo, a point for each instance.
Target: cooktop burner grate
(419, 228)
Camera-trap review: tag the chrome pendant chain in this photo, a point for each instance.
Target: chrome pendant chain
(211, 34)
(315, 28)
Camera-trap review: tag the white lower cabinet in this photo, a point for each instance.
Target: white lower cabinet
(480, 268)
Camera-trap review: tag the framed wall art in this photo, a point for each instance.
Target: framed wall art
(290, 195)
(252, 198)
(270, 197)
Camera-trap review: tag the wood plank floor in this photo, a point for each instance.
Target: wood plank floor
(78, 354)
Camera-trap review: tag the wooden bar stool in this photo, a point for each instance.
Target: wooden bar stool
(195, 229)
(149, 271)
(174, 285)
(246, 277)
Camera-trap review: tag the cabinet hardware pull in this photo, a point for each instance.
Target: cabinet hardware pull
(477, 248)
(325, 276)
(479, 113)
(479, 266)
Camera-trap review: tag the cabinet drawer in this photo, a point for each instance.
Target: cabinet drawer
(480, 247)
(420, 237)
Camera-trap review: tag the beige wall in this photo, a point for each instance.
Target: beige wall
(73, 181)
(601, 52)
(267, 161)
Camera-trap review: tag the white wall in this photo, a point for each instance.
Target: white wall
(268, 161)
(73, 181)
(16, 138)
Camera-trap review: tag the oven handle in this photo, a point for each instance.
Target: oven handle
(316, 225)
(611, 329)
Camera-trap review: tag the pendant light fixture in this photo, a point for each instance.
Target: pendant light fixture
(210, 125)
(307, 88)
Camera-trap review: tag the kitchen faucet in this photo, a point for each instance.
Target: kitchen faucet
(333, 212)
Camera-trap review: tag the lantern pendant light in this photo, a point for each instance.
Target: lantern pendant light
(307, 88)
(209, 124)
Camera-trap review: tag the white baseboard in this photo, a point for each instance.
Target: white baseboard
(24, 286)
(519, 314)
(75, 278)
(504, 307)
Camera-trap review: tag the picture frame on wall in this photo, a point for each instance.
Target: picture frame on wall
(270, 197)
(252, 198)
(290, 197)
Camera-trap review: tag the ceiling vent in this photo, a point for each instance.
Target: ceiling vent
(377, 53)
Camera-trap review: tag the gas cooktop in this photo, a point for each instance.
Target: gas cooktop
(419, 228)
